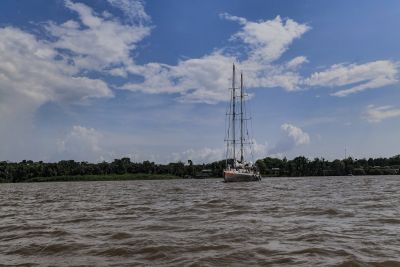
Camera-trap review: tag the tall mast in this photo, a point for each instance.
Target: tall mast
(233, 115)
(241, 117)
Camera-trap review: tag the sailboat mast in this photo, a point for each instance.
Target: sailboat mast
(233, 115)
(241, 117)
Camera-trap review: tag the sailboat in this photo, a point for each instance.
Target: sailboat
(237, 168)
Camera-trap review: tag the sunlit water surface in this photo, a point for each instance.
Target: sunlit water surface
(320, 221)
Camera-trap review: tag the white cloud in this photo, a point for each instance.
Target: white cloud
(230, 17)
(269, 76)
(206, 79)
(34, 71)
(197, 80)
(377, 114)
(207, 155)
(296, 133)
(296, 62)
(30, 76)
(198, 156)
(363, 76)
(269, 39)
(103, 43)
(30, 71)
(95, 42)
(81, 144)
(132, 9)
(258, 150)
(295, 136)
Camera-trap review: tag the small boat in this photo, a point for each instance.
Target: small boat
(237, 168)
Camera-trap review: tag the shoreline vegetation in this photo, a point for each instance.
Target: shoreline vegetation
(124, 169)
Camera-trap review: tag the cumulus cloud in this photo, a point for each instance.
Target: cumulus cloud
(268, 39)
(35, 71)
(296, 133)
(205, 79)
(198, 156)
(377, 114)
(80, 142)
(296, 62)
(31, 75)
(196, 80)
(206, 154)
(95, 42)
(258, 150)
(295, 136)
(132, 9)
(105, 44)
(359, 77)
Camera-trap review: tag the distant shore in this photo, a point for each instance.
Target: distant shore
(106, 177)
(125, 169)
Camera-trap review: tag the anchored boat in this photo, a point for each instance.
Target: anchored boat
(237, 168)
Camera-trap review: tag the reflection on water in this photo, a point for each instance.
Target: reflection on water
(337, 221)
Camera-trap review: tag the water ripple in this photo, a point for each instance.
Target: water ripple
(318, 221)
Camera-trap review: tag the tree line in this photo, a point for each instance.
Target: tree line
(28, 169)
(302, 166)
(299, 166)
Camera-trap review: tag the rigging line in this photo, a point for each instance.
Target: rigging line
(227, 130)
(241, 116)
(250, 136)
(234, 113)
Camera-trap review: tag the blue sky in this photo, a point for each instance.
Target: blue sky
(95, 80)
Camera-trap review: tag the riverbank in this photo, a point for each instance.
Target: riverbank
(124, 169)
(106, 177)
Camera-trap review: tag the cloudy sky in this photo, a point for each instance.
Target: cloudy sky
(94, 80)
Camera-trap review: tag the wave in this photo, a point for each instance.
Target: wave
(355, 263)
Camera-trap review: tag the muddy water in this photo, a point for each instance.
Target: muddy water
(338, 221)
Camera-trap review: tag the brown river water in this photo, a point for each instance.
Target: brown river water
(319, 221)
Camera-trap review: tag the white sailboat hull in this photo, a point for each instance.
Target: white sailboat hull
(237, 176)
